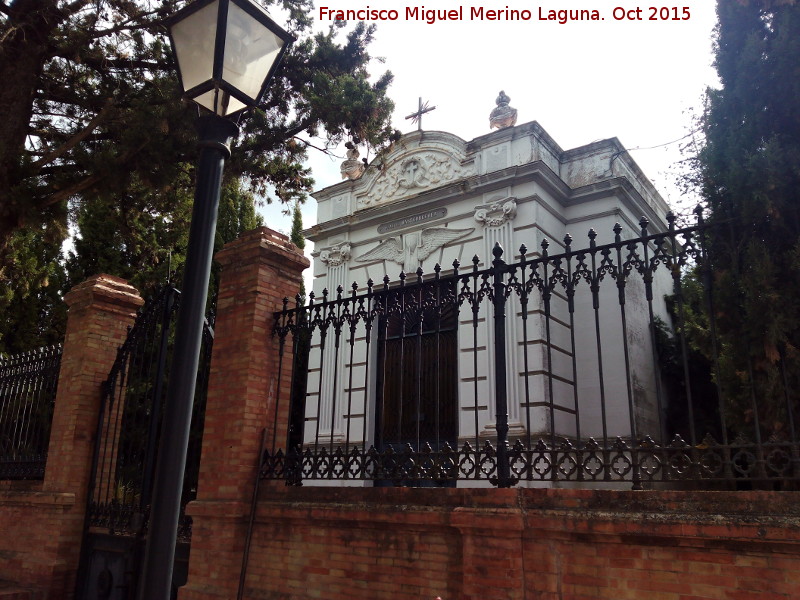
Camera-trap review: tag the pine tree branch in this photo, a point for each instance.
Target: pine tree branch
(65, 95)
(310, 145)
(105, 64)
(70, 191)
(86, 182)
(130, 25)
(76, 139)
(301, 126)
(74, 7)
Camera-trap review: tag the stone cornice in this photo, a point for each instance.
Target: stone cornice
(397, 195)
(477, 185)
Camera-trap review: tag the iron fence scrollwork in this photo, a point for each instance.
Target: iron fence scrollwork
(572, 364)
(28, 384)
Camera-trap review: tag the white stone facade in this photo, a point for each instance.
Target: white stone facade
(434, 198)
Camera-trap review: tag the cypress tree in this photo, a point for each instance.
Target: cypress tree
(296, 235)
(749, 175)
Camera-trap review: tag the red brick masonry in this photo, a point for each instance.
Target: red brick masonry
(397, 544)
(460, 544)
(336, 543)
(41, 528)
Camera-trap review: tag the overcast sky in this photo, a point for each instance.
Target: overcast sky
(637, 80)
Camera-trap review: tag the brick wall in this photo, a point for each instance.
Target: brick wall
(523, 544)
(244, 395)
(457, 544)
(41, 527)
(31, 523)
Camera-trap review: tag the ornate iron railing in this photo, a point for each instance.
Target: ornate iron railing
(28, 383)
(587, 365)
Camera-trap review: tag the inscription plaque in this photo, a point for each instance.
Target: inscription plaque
(430, 215)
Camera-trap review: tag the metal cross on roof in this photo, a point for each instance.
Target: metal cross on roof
(417, 116)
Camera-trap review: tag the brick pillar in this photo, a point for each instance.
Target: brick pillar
(100, 311)
(258, 271)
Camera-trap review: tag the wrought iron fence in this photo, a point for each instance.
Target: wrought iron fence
(130, 422)
(589, 365)
(28, 383)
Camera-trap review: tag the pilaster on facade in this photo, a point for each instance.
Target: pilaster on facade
(331, 421)
(497, 219)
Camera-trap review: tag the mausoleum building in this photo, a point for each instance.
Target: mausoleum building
(433, 199)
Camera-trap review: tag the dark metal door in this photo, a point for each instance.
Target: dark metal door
(417, 400)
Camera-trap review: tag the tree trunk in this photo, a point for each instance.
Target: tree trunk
(24, 50)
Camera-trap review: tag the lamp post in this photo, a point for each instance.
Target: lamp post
(226, 52)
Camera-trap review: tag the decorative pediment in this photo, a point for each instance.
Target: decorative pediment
(419, 162)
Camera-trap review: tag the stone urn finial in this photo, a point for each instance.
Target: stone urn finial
(352, 168)
(503, 115)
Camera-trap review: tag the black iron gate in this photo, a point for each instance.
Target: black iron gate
(125, 455)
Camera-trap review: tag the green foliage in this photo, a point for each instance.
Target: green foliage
(297, 238)
(296, 235)
(93, 127)
(143, 237)
(688, 335)
(237, 214)
(136, 235)
(33, 311)
(749, 175)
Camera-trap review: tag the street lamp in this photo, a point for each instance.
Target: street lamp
(226, 52)
(231, 74)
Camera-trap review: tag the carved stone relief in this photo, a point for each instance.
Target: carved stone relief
(497, 213)
(410, 249)
(335, 255)
(352, 168)
(417, 172)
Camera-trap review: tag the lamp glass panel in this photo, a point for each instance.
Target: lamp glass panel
(225, 104)
(250, 51)
(194, 45)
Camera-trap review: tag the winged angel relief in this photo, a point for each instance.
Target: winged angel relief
(411, 249)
